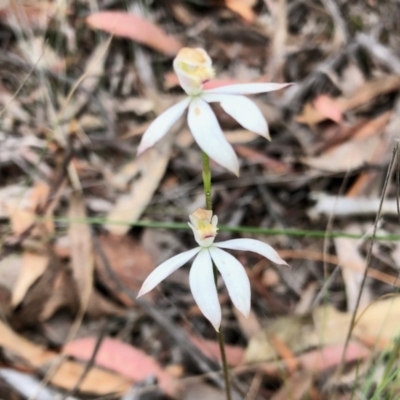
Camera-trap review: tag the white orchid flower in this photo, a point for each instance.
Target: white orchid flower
(193, 68)
(201, 278)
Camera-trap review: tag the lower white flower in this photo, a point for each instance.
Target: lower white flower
(201, 277)
(194, 67)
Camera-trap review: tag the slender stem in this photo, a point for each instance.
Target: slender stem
(220, 337)
(207, 180)
(221, 342)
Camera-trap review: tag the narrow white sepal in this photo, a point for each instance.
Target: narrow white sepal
(203, 288)
(162, 124)
(235, 278)
(243, 110)
(248, 88)
(209, 136)
(165, 269)
(253, 245)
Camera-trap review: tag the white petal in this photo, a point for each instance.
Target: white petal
(235, 278)
(248, 88)
(252, 245)
(162, 124)
(203, 288)
(208, 135)
(242, 110)
(165, 269)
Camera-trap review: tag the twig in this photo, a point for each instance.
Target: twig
(368, 258)
(90, 362)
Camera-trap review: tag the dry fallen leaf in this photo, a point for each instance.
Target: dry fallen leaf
(296, 386)
(129, 261)
(202, 391)
(82, 258)
(329, 356)
(328, 107)
(234, 354)
(350, 155)
(124, 359)
(33, 267)
(366, 93)
(88, 82)
(22, 209)
(133, 27)
(353, 266)
(242, 7)
(97, 381)
(325, 326)
(63, 294)
(27, 14)
(150, 166)
(344, 207)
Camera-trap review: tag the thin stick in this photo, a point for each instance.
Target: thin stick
(368, 259)
(220, 337)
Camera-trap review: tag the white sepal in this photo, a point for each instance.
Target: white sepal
(165, 269)
(243, 110)
(235, 278)
(203, 288)
(209, 136)
(248, 88)
(162, 124)
(253, 245)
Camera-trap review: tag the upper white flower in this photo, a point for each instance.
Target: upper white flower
(201, 278)
(193, 68)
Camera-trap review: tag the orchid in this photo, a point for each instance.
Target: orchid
(193, 68)
(201, 277)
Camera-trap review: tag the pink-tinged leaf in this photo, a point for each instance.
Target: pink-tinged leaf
(330, 356)
(234, 354)
(328, 107)
(133, 27)
(124, 359)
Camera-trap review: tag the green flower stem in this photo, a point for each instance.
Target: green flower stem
(220, 337)
(207, 180)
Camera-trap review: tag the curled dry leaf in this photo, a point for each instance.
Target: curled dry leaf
(33, 267)
(133, 27)
(22, 209)
(124, 359)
